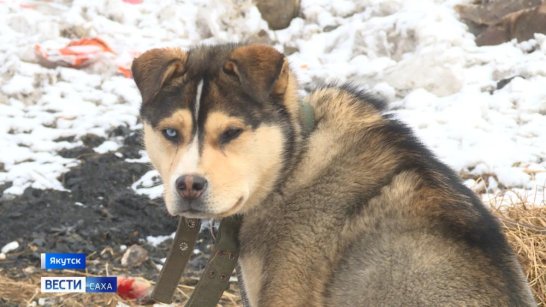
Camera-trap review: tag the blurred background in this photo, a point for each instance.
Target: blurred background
(468, 76)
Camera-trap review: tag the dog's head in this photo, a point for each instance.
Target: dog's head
(219, 124)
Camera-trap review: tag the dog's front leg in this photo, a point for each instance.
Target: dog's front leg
(293, 279)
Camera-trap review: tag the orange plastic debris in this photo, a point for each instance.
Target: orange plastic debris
(126, 72)
(76, 54)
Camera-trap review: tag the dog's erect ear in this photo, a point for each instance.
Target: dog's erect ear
(262, 70)
(154, 68)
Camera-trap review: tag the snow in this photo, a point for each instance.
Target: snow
(149, 185)
(11, 246)
(18, 84)
(156, 240)
(143, 158)
(416, 54)
(107, 146)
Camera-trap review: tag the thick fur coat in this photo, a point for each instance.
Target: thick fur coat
(353, 211)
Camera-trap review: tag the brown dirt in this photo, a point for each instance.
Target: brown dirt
(112, 216)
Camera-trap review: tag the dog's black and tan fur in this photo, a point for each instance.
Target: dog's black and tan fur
(355, 212)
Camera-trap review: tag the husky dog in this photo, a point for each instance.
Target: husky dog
(349, 210)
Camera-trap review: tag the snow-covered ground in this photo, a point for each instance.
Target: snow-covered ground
(416, 54)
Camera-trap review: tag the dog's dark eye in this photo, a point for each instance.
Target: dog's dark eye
(170, 134)
(230, 134)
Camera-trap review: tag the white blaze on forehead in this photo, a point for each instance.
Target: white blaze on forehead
(191, 158)
(198, 99)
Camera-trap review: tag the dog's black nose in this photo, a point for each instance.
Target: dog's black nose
(191, 186)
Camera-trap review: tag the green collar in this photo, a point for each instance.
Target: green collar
(307, 117)
(215, 278)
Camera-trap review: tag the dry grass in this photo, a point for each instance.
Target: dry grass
(525, 228)
(23, 293)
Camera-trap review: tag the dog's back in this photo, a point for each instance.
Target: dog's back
(382, 221)
(419, 237)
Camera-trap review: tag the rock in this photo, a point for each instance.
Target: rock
(288, 50)
(521, 25)
(11, 246)
(4, 187)
(92, 140)
(75, 32)
(278, 13)
(29, 270)
(502, 83)
(76, 152)
(491, 12)
(134, 256)
(262, 37)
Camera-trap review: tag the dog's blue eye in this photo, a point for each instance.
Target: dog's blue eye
(171, 134)
(230, 134)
